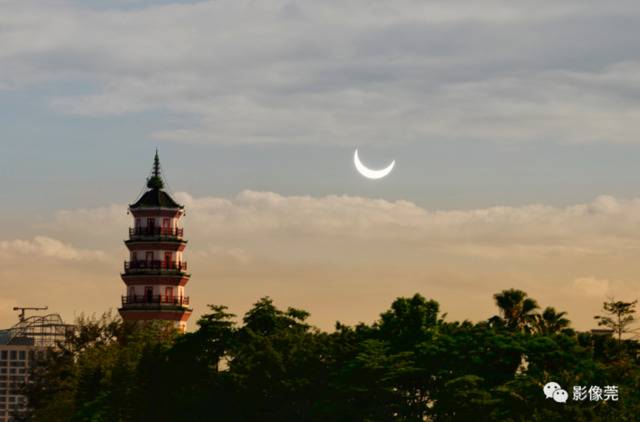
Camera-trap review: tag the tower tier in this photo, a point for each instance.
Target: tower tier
(151, 279)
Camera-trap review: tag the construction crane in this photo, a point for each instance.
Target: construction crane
(22, 309)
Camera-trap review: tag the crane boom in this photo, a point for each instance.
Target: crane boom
(22, 310)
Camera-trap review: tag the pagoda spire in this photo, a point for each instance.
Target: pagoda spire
(155, 181)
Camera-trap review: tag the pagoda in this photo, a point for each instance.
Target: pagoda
(156, 274)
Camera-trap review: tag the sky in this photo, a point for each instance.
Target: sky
(514, 126)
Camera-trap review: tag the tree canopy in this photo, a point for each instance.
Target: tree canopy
(412, 364)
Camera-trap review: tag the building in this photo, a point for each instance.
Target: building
(156, 273)
(606, 332)
(19, 347)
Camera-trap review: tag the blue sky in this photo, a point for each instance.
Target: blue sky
(273, 100)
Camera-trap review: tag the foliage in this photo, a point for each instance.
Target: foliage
(517, 310)
(410, 365)
(551, 322)
(620, 316)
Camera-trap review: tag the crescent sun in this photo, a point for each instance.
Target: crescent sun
(370, 173)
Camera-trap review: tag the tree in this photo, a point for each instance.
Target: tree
(408, 320)
(191, 374)
(621, 315)
(551, 322)
(517, 310)
(410, 365)
(278, 364)
(92, 374)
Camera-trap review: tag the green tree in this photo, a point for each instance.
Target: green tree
(278, 364)
(409, 365)
(191, 374)
(409, 321)
(620, 316)
(516, 309)
(551, 321)
(92, 375)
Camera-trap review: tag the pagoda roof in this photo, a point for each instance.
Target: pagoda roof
(155, 198)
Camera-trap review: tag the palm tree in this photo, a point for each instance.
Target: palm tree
(516, 309)
(551, 322)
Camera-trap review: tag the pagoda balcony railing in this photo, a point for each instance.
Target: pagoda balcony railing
(155, 300)
(155, 231)
(155, 265)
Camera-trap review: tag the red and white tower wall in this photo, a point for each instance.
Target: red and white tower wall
(156, 273)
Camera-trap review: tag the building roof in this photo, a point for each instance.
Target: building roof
(602, 331)
(155, 197)
(38, 330)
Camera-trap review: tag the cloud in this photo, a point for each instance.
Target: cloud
(97, 222)
(254, 224)
(242, 71)
(325, 252)
(42, 246)
(604, 226)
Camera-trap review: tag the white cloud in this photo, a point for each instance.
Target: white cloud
(254, 222)
(605, 226)
(242, 71)
(93, 222)
(42, 246)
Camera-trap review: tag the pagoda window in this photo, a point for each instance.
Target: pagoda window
(168, 294)
(148, 293)
(167, 260)
(149, 257)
